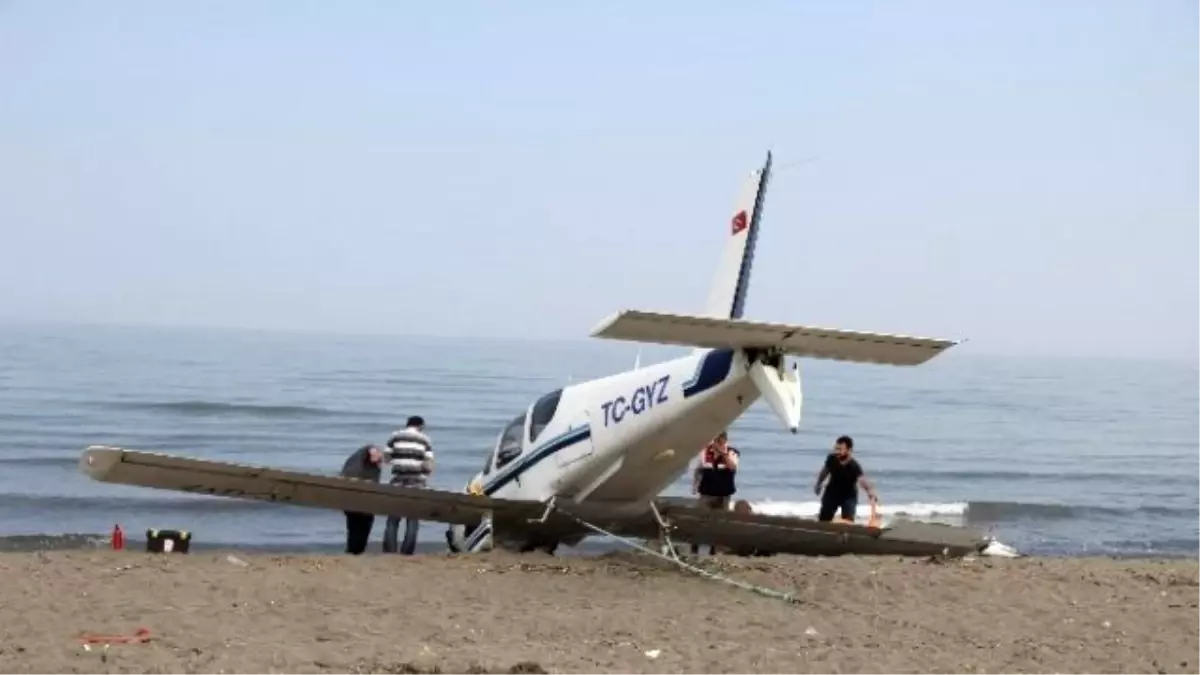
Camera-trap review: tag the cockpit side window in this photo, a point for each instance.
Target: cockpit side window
(543, 412)
(509, 447)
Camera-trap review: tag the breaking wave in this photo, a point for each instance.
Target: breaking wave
(975, 512)
(910, 510)
(209, 408)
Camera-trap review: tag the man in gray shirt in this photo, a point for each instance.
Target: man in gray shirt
(363, 464)
(410, 454)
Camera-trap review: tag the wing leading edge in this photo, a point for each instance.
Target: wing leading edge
(224, 479)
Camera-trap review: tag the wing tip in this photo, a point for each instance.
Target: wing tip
(97, 460)
(602, 328)
(605, 324)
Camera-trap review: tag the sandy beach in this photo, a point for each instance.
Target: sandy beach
(501, 612)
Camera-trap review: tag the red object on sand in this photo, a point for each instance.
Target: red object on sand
(118, 538)
(141, 635)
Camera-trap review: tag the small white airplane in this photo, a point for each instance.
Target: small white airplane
(601, 450)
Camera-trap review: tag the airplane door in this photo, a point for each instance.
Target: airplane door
(580, 449)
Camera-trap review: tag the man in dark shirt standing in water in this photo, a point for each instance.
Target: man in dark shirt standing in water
(363, 465)
(845, 475)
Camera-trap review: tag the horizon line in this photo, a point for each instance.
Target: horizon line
(334, 332)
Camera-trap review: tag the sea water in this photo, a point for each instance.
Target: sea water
(1052, 456)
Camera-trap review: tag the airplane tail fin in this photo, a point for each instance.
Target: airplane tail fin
(727, 298)
(721, 326)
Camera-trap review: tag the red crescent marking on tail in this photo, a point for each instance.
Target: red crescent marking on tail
(739, 222)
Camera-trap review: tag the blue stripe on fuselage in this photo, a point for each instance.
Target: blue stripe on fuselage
(564, 440)
(713, 370)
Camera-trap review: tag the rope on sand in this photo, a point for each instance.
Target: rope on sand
(674, 558)
(762, 590)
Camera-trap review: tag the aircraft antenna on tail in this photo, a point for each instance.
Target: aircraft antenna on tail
(799, 162)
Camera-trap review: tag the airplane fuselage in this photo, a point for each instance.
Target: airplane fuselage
(621, 439)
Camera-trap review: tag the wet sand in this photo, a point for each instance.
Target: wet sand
(614, 613)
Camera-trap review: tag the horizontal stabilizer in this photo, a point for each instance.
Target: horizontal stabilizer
(807, 341)
(224, 479)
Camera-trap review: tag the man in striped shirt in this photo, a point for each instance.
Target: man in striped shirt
(410, 454)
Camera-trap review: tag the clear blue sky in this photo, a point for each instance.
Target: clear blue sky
(1023, 174)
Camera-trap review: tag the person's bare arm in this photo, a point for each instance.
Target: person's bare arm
(732, 459)
(696, 479)
(866, 486)
(821, 479)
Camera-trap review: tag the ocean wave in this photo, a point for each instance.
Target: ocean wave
(971, 475)
(65, 461)
(1169, 547)
(985, 511)
(184, 503)
(210, 408)
(53, 542)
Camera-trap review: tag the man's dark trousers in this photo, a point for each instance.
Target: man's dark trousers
(358, 531)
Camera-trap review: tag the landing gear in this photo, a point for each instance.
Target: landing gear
(455, 540)
(469, 539)
(481, 537)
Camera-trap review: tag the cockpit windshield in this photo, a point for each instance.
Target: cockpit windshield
(509, 447)
(512, 439)
(543, 412)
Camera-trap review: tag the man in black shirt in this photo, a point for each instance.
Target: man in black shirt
(363, 465)
(845, 475)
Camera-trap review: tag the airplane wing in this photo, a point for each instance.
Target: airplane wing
(224, 479)
(820, 343)
(752, 532)
(739, 531)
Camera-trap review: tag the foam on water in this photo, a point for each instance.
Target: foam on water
(954, 513)
(912, 510)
